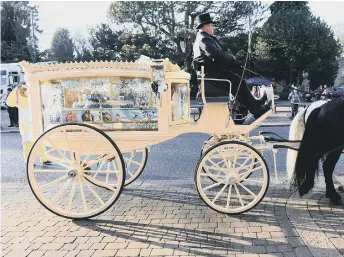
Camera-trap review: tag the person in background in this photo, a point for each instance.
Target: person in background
(12, 112)
(295, 99)
(18, 98)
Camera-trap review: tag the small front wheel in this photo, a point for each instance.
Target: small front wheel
(232, 177)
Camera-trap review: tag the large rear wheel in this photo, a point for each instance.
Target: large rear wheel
(87, 173)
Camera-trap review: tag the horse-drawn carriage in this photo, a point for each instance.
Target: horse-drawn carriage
(95, 121)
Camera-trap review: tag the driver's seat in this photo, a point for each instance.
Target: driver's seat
(214, 97)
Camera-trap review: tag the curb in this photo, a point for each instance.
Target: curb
(275, 125)
(10, 131)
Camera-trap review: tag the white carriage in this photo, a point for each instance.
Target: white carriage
(94, 121)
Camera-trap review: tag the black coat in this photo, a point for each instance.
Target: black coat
(208, 52)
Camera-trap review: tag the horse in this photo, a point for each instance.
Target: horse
(320, 127)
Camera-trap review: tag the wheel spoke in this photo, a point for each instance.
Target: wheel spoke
(211, 186)
(56, 160)
(223, 157)
(67, 141)
(82, 195)
(252, 180)
(99, 183)
(93, 191)
(248, 166)
(50, 171)
(108, 173)
(214, 164)
(212, 175)
(229, 196)
(71, 196)
(92, 162)
(245, 174)
(137, 163)
(98, 169)
(88, 155)
(80, 146)
(56, 197)
(246, 161)
(54, 181)
(131, 174)
(219, 193)
(58, 151)
(102, 171)
(247, 190)
(239, 196)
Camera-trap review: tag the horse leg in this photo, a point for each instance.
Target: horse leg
(328, 168)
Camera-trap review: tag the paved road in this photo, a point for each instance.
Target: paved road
(162, 215)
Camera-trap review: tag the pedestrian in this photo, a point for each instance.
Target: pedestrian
(295, 99)
(220, 64)
(12, 112)
(19, 98)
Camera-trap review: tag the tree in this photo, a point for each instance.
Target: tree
(106, 43)
(296, 42)
(82, 47)
(172, 24)
(62, 46)
(16, 31)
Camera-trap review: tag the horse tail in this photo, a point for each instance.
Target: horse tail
(297, 128)
(307, 158)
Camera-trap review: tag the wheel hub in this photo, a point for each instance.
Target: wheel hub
(231, 179)
(72, 173)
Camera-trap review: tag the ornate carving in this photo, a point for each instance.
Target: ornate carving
(170, 67)
(33, 68)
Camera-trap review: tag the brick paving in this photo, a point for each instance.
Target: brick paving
(167, 218)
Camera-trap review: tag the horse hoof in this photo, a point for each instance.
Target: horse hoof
(305, 188)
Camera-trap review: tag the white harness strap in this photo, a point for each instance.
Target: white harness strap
(313, 106)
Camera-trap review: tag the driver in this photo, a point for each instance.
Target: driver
(220, 64)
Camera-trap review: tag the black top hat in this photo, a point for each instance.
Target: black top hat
(203, 19)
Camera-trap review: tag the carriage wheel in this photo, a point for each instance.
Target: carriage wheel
(216, 172)
(226, 181)
(87, 173)
(135, 162)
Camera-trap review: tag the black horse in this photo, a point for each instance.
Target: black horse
(323, 138)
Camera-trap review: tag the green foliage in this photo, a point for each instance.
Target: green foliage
(293, 41)
(16, 31)
(62, 46)
(168, 27)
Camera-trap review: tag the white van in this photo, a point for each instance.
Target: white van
(11, 75)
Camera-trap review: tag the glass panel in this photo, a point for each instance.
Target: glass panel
(106, 103)
(180, 102)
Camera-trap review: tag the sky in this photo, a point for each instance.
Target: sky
(79, 16)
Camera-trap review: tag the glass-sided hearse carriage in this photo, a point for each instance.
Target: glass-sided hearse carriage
(95, 120)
